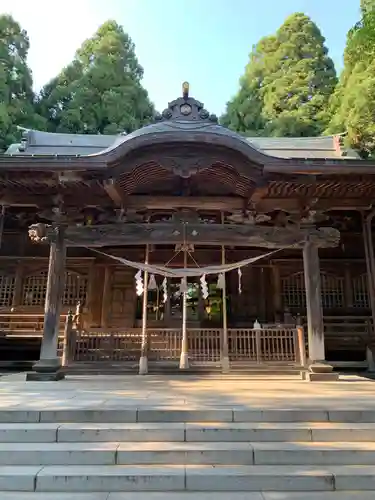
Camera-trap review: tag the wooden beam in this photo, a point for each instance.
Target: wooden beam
(266, 205)
(258, 195)
(195, 233)
(175, 202)
(315, 166)
(114, 192)
(85, 198)
(227, 203)
(263, 205)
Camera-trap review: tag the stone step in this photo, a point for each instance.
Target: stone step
(192, 495)
(314, 453)
(190, 432)
(192, 478)
(172, 432)
(28, 433)
(181, 453)
(147, 453)
(120, 414)
(277, 432)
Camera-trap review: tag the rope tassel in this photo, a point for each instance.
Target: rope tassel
(152, 283)
(204, 286)
(165, 290)
(221, 281)
(239, 281)
(139, 283)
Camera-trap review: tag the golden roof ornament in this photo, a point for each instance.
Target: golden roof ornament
(185, 90)
(186, 108)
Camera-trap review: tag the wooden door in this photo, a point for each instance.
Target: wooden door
(250, 304)
(122, 305)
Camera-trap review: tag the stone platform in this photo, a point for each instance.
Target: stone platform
(185, 391)
(185, 438)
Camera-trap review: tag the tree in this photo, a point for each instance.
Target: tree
(353, 104)
(100, 92)
(367, 5)
(244, 111)
(289, 78)
(16, 94)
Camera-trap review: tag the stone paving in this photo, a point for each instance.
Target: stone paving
(224, 433)
(185, 392)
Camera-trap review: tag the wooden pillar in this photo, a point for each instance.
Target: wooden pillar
(224, 347)
(143, 360)
(277, 298)
(106, 299)
(17, 295)
(348, 290)
(370, 266)
(315, 326)
(262, 296)
(201, 310)
(48, 367)
(184, 357)
(167, 306)
(67, 347)
(2, 220)
(90, 298)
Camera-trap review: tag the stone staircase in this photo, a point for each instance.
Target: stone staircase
(165, 454)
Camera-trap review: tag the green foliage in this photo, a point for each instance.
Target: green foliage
(367, 5)
(287, 84)
(353, 103)
(100, 91)
(16, 95)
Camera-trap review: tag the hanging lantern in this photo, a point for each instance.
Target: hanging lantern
(204, 287)
(152, 285)
(139, 283)
(239, 281)
(221, 281)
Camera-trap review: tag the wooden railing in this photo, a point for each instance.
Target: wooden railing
(25, 324)
(204, 345)
(347, 332)
(105, 346)
(267, 345)
(263, 345)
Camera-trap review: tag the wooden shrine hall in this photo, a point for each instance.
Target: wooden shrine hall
(185, 192)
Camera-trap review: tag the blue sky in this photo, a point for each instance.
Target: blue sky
(205, 42)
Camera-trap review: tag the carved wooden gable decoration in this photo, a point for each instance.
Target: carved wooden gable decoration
(185, 142)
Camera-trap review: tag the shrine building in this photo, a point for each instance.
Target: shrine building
(286, 223)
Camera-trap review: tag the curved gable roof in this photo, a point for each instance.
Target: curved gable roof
(185, 120)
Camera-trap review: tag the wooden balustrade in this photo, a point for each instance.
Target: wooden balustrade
(24, 324)
(107, 346)
(204, 345)
(263, 345)
(164, 344)
(266, 345)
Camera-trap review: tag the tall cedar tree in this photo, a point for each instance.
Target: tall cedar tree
(287, 84)
(100, 92)
(367, 5)
(353, 103)
(16, 94)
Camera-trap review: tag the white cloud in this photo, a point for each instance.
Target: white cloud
(56, 30)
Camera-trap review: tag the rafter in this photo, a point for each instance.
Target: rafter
(114, 192)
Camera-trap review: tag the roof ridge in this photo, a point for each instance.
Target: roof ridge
(310, 138)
